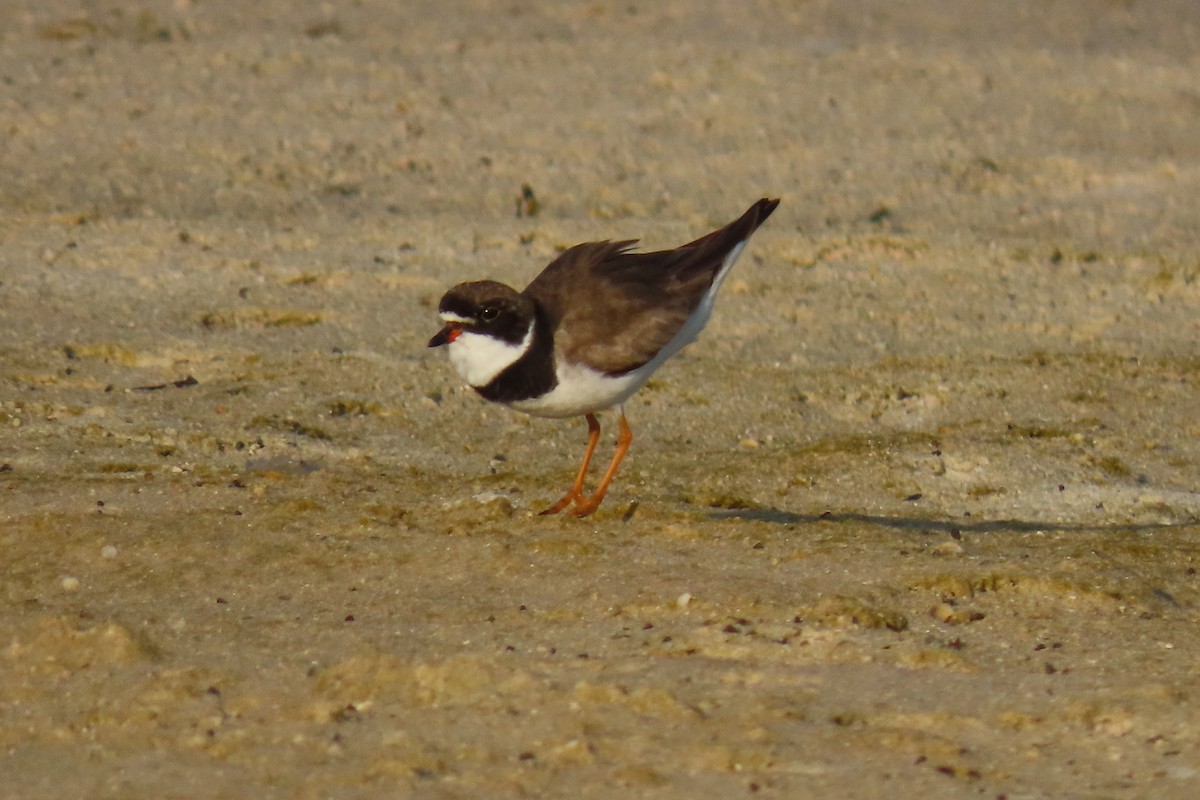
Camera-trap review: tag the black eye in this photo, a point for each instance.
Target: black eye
(488, 313)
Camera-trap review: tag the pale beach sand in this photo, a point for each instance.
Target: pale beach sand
(917, 516)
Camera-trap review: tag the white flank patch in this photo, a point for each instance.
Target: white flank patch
(699, 318)
(479, 358)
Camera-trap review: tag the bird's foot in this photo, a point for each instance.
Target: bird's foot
(583, 505)
(570, 497)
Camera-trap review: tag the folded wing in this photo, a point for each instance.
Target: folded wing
(638, 301)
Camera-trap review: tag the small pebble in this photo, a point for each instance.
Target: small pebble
(948, 549)
(108, 551)
(683, 600)
(943, 612)
(70, 584)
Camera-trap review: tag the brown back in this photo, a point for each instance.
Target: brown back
(632, 304)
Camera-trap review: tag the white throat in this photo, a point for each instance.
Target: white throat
(479, 358)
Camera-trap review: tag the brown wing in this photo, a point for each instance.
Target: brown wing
(615, 309)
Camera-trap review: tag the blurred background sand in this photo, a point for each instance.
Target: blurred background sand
(918, 514)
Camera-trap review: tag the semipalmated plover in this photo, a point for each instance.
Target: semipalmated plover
(589, 330)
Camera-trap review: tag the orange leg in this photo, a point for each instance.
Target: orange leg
(576, 493)
(624, 439)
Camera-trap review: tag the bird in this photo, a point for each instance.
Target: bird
(589, 331)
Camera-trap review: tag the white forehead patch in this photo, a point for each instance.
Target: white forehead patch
(450, 316)
(479, 358)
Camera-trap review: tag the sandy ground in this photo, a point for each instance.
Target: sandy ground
(918, 516)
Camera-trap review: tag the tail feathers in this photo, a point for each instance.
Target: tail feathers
(741, 228)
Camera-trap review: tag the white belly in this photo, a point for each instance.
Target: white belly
(581, 391)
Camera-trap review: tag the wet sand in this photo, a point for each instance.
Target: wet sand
(919, 515)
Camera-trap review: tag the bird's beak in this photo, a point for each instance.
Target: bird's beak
(446, 335)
